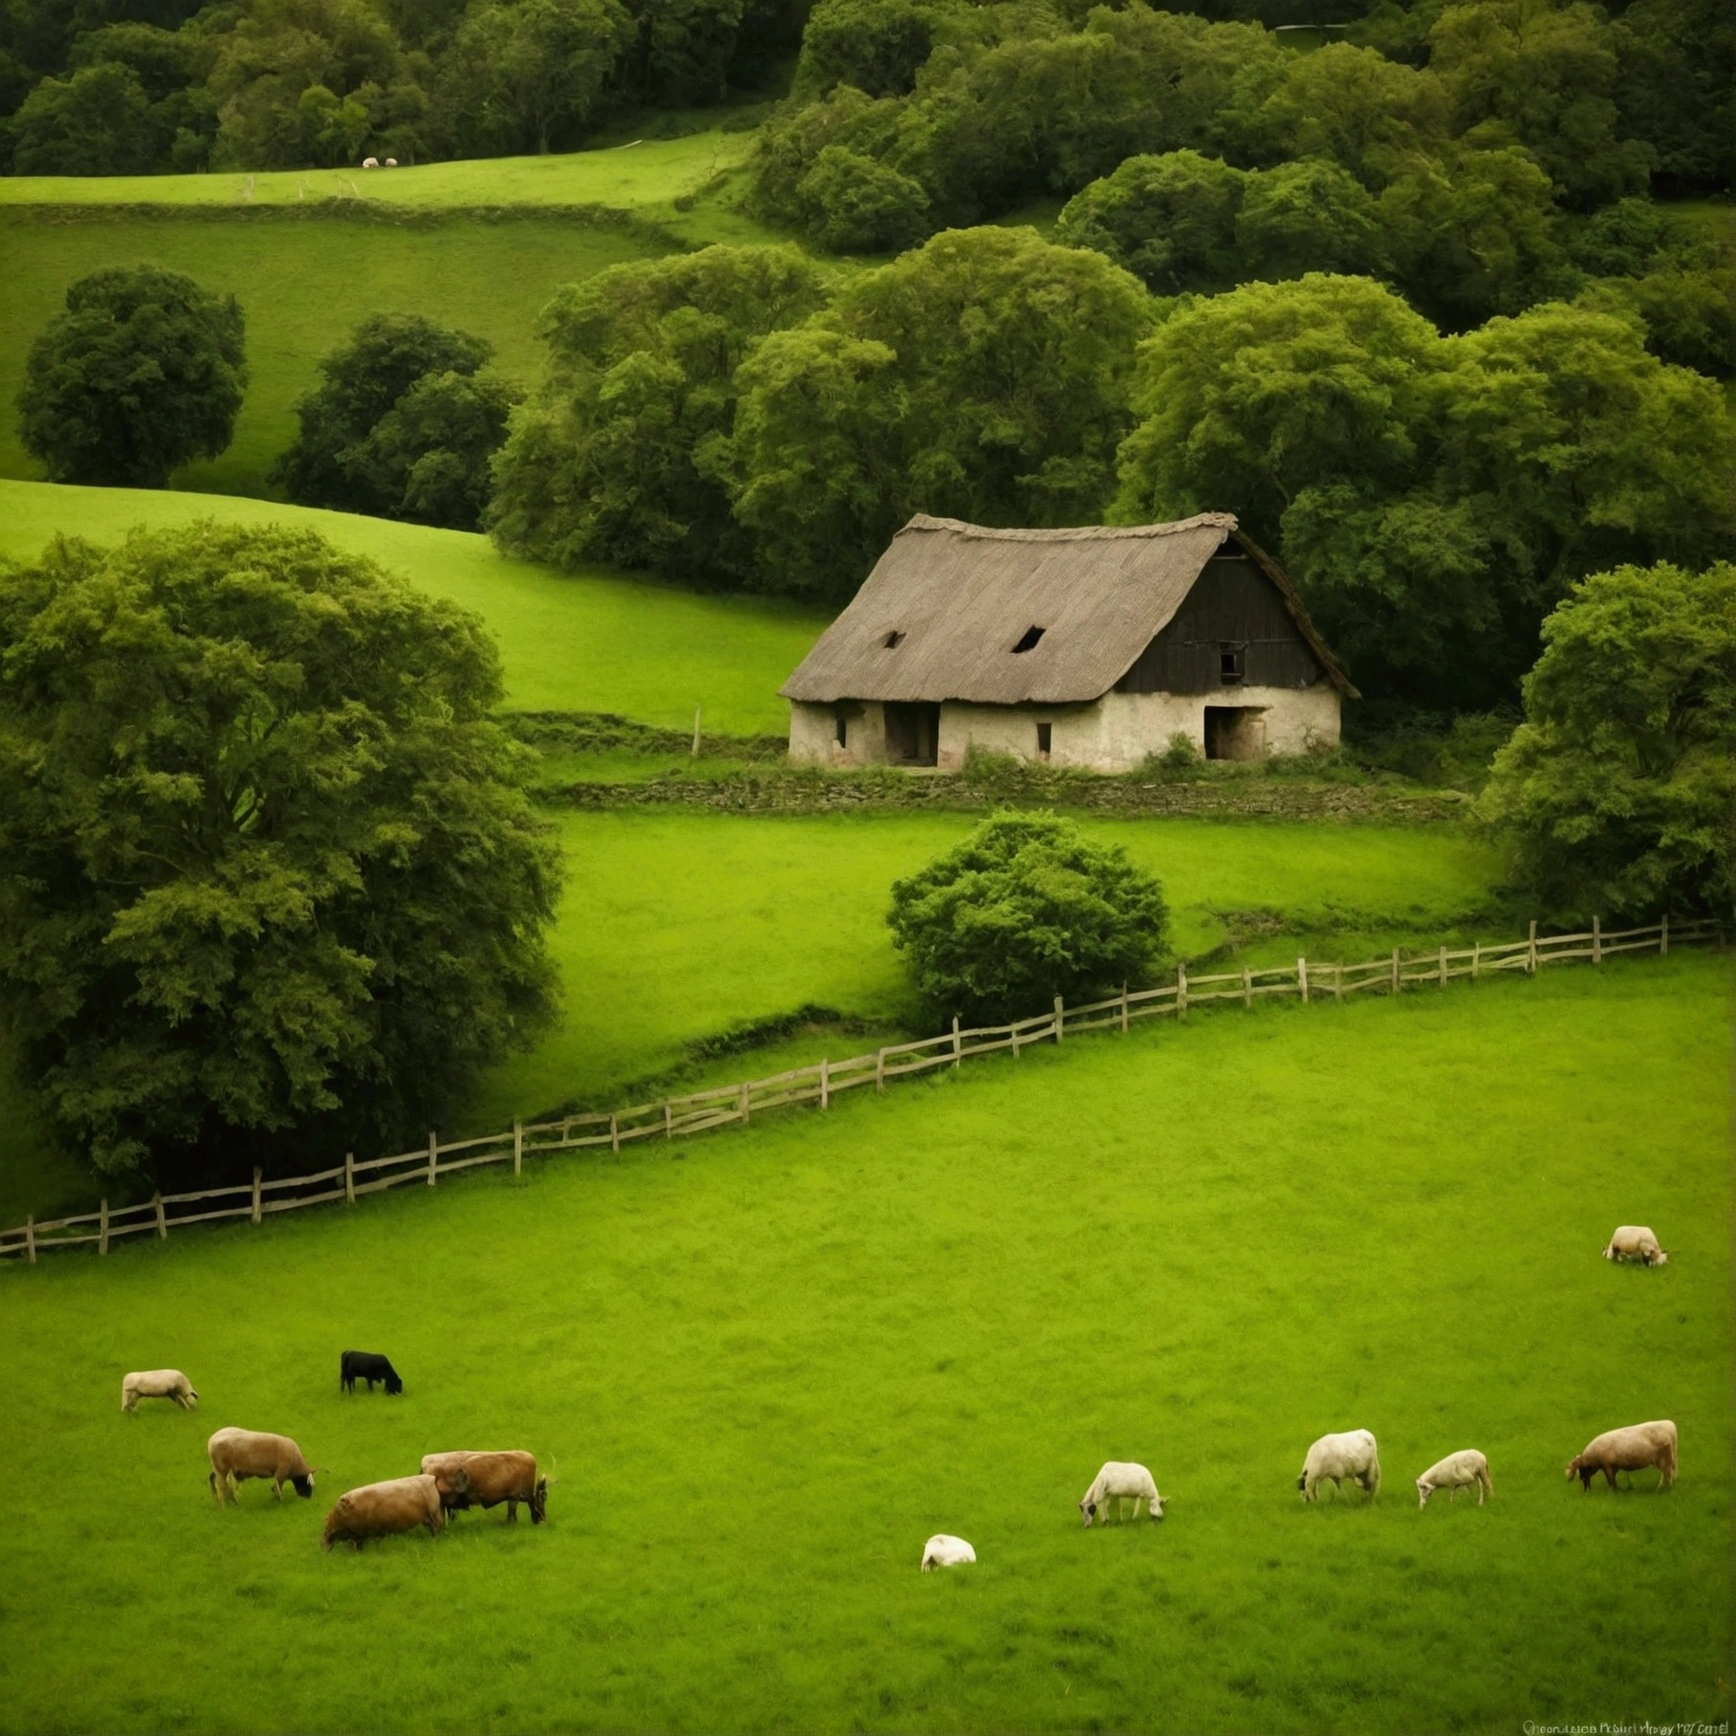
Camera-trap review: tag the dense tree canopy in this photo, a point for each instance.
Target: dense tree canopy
(143, 372)
(1025, 909)
(1617, 795)
(404, 425)
(269, 883)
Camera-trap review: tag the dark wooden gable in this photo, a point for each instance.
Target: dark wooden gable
(1233, 629)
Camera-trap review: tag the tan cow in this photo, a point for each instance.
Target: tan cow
(383, 1510)
(1631, 1449)
(487, 1479)
(237, 1454)
(157, 1383)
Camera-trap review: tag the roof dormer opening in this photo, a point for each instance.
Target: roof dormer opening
(893, 640)
(1029, 642)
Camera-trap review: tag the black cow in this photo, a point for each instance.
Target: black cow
(365, 1365)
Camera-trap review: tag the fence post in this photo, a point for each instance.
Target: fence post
(30, 1238)
(825, 1083)
(1531, 950)
(1124, 1009)
(880, 1071)
(1181, 991)
(349, 1178)
(744, 1106)
(433, 1157)
(1302, 979)
(566, 1129)
(517, 1146)
(256, 1173)
(668, 1119)
(957, 1047)
(162, 1217)
(1395, 971)
(1443, 967)
(1664, 937)
(1597, 940)
(1060, 1020)
(1247, 988)
(102, 1232)
(1476, 957)
(1338, 981)
(614, 1132)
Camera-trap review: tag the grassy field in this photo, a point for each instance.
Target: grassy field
(770, 1370)
(594, 641)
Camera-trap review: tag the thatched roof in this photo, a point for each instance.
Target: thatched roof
(956, 598)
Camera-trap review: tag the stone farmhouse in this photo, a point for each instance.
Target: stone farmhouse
(1090, 647)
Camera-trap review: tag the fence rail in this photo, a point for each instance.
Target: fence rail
(736, 1105)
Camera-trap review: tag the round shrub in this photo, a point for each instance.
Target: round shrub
(1025, 909)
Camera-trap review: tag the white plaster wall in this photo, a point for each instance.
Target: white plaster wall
(1120, 729)
(814, 734)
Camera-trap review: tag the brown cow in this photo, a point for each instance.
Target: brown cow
(382, 1510)
(487, 1479)
(1630, 1449)
(237, 1454)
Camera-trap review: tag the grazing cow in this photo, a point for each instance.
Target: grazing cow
(356, 1365)
(1636, 1242)
(384, 1509)
(1332, 1458)
(1461, 1470)
(237, 1454)
(1118, 1482)
(945, 1551)
(370, 162)
(1630, 1449)
(487, 1479)
(157, 1383)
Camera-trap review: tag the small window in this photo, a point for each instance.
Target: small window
(843, 730)
(893, 641)
(1231, 663)
(1045, 739)
(1029, 642)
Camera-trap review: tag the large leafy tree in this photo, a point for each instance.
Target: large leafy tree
(269, 882)
(1617, 794)
(1025, 909)
(143, 372)
(984, 376)
(612, 459)
(404, 425)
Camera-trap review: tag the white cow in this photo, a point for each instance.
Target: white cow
(157, 1383)
(1636, 1242)
(1332, 1458)
(1462, 1470)
(370, 162)
(1120, 1481)
(944, 1551)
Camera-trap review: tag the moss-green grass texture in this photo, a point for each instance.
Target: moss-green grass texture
(772, 1362)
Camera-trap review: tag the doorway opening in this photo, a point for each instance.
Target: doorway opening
(913, 734)
(1235, 732)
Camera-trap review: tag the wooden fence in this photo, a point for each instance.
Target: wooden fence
(731, 1105)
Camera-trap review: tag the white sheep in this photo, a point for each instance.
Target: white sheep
(391, 162)
(1636, 1242)
(1332, 1458)
(370, 162)
(1462, 1470)
(157, 1383)
(1120, 1481)
(944, 1551)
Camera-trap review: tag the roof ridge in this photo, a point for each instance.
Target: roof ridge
(1080, 533)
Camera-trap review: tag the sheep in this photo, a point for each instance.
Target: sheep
(1332, 1458)
(944, 1551)
(1120, 1481)
(1630, 1449)
(380, 1509)
(1456, 1471)
(237, 1454)
(370, 162)
(157, 1383)
(1636, 1242)
(391, 162)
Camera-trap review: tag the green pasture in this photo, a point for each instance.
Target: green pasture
(591, 641)
(646, 175)
(304, 283)
(768, 1369)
